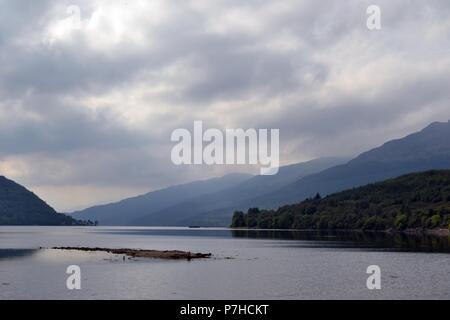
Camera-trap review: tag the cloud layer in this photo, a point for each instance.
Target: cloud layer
(87, 105)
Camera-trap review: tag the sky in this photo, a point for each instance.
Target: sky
(91, 90)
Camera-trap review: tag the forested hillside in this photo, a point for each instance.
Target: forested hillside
(418, 200)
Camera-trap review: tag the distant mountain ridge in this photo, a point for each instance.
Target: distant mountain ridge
(433, 140)
(215, 208)
(176, 204)
(427, 149)
(19, 206)
(126, 211)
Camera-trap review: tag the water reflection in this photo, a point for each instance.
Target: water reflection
(346, 239)
(9, 254)
(303, 238)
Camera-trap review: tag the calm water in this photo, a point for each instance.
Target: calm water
(264, 264)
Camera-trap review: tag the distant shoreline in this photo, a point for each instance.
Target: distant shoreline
(418, 231)
(412, 231)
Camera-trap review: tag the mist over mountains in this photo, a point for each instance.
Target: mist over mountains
(420, 151)
(173, 205)
(214, 209)
(212, 202)
(125, 212)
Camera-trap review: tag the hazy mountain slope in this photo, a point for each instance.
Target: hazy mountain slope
(424, 150)
(19, 206)
(127, 211)
(219, 205)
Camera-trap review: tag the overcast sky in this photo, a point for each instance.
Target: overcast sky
(87, 107)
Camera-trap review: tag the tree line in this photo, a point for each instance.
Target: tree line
(414, 201)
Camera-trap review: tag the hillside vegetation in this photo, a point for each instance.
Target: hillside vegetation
(19, 206)
(418, 200)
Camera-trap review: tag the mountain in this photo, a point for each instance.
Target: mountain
(425, 150)
(414, 201)
(18, 206)
(125, 212)
(177, 204)
(215, 208)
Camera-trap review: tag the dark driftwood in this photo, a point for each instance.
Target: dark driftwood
(137, 253)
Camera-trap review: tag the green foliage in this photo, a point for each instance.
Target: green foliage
(238, 220)
(401, 222)
(435, 221)
(419, 200)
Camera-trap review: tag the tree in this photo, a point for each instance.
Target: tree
(401, 221)
(238, 220)
(435, 221)
(284, 221)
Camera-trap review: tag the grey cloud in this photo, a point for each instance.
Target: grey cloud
(45, 125)
(70, 143)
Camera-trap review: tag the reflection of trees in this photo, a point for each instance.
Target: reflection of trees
(16, 253)
(353, 239)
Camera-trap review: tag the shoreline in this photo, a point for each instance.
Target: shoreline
(417, 231)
